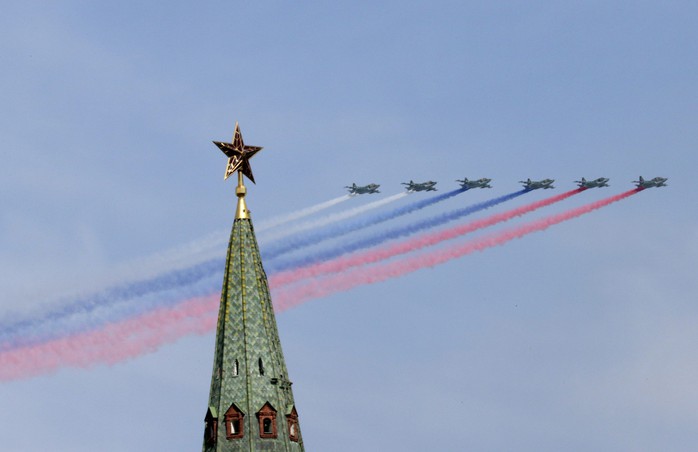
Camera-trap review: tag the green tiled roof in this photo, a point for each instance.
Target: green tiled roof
(248, 365)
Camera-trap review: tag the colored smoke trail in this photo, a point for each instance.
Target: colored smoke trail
(36, 331)
(377, 273)
(114, 304)
(337, 265)
(336, 217)
(124, 301)
(278, 265)
(185, 275)
(116, 342)
(210, 246)
(133, 337)
(311, 238)
(283, 219)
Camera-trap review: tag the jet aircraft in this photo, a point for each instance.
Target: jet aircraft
(480, 183)
(536, 184)
(420, 186)
(360, 190)
(656, 182)
(600, 182)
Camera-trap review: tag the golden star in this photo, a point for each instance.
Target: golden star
(238, 155)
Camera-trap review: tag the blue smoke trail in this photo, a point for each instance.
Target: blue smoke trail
(313, 237)
(377, 239)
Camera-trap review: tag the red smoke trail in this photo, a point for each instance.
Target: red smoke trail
(340, 264)
(116, 342)
(373, 274)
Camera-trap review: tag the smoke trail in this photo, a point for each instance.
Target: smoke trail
(122, 301)
(118, 302)
(134, 298)
(156, 288)
(35, 332)
(116, 342)
(130, 300)
(283, 219)
(336, 217)
(314, 237)
(115, 304)
(337, 265)
(133, 337)
(279, 265)
(209, 246)
(377, 273)
(176, 268)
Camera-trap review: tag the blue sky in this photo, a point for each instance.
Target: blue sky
(578, 338)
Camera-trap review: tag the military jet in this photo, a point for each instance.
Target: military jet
(656, 182)
(600, 182)
(420, 186)
(536, 184)
(480, 183)
(360, 190)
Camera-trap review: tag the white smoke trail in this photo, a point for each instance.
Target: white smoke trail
(282, 219)
(334, 217)
(208, 247)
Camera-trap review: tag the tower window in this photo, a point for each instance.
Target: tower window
(234, 426)
(236, 368)
(261, 366)
(210, 429)
(292, 422)
(267, 421)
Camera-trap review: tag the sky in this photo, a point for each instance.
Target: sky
(581, 337)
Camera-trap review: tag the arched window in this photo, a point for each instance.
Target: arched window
(236, 368)
(267, 421)
(234, 425)
(261, 366)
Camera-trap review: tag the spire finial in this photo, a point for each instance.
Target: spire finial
(238, 160)
(241, 191)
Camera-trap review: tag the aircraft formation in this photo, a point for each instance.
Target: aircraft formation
(528, 184)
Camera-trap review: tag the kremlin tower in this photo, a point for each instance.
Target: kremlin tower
(250, 405)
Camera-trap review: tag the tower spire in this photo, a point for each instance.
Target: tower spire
(241, 211)
(251, 404)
